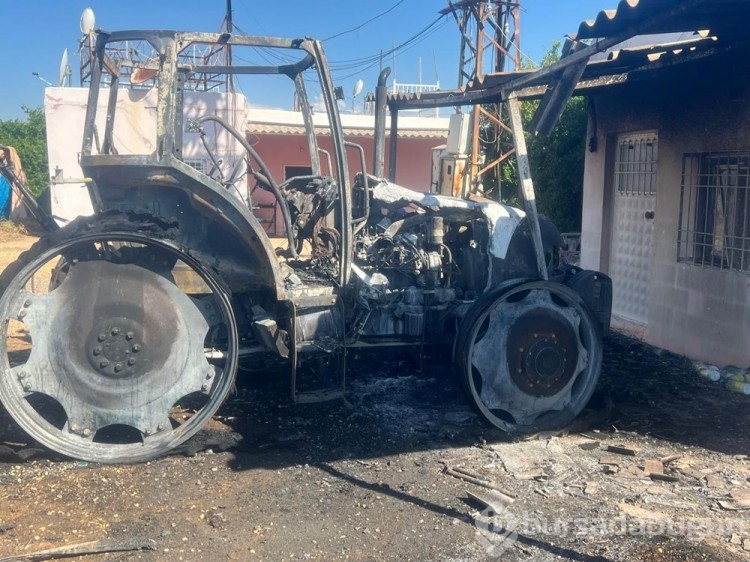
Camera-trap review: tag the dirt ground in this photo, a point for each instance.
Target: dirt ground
(656, 469)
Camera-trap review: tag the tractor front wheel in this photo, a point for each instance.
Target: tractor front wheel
(529, 357)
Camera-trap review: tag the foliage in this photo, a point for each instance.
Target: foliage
(556, 161)
(29, 138)
(557, 168)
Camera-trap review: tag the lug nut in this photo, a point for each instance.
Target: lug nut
(104, 364)
(129, 335)
(118, 367)
(26, 386)
(22, 375)
(102, 336)
(204, 386)
(86, 432)
(131, 361)
(160, 427)
(21, 314)
(98, 350)
(136, 347)
(115, 331)
(27, 303)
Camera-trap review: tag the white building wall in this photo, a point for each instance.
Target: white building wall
(134, 133)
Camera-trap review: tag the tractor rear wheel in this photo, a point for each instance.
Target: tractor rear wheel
(108, 361)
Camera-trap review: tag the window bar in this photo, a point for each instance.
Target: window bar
(638, 167)
(706, 206)
(681, 214)
(743, 234)
(695, 171)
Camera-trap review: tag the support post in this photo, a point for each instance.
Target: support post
(527, 185)
(381, 108)
(393, 146)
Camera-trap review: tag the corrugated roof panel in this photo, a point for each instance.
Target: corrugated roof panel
(651, 34)
(729, 17)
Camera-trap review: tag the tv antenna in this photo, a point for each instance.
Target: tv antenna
(42, 78)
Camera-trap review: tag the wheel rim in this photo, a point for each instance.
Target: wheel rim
(117, 348)
(530, 358)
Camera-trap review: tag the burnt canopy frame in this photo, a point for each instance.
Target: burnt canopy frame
(172, 75)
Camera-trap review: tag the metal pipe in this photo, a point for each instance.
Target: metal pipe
(381, 108)
(266, 172)
(342, 170)
(393, 146)
(360, 222)
(312, 141)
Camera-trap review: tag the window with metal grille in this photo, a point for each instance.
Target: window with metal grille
(714, 228)
(197, 163)
(635, 165)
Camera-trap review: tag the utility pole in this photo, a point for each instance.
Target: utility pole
(490, 39)
(229, 30)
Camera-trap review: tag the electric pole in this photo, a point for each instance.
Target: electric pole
(490, 39)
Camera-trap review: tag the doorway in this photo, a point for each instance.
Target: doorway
(633, 224)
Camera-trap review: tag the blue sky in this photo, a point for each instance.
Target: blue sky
(33, 34)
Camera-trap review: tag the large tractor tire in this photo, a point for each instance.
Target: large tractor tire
(529, 356)
(104, 351)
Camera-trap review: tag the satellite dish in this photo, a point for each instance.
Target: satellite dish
(88, 20)
(358, 85)
(64, 69)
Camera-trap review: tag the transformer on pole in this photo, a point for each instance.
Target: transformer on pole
(490, 43)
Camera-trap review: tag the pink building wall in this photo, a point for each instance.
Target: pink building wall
(413, 170)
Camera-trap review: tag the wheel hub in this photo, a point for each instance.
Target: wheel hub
(545, 360)
(100, 370)
(117, 348)
(542, 353)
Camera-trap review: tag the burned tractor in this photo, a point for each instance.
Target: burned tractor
(123, 330)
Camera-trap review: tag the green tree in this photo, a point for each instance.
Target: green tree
(557, 167)
(29, 138)
(556, 161)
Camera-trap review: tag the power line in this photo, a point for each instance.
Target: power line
(368, 62)
(360, 64)
(388, 53)
(361, 25)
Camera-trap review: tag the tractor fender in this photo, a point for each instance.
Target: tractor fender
(519, 257)
(212, 224)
